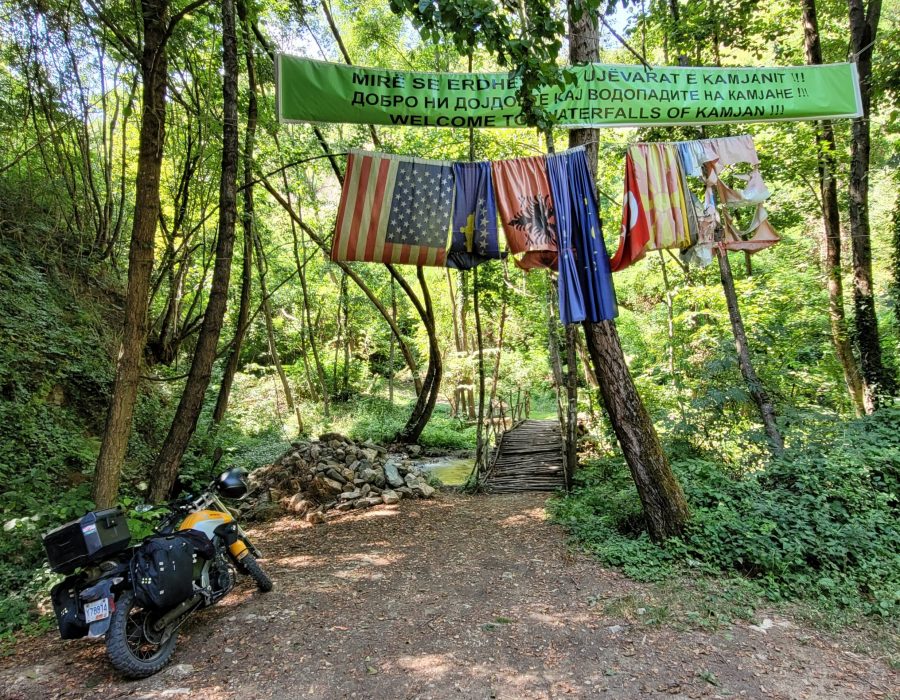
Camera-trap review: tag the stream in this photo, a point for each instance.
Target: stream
(452, 471)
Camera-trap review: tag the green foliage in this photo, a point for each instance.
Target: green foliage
(527, 43)
(379, 420)
(819, 523)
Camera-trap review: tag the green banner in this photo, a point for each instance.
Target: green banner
(601, 95)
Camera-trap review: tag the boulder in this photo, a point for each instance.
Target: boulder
(392, 475)
(374, 476)
(323, 489)
(299, 504)
(350, 495)
(336, 475)
(390, 497)
(423, 490)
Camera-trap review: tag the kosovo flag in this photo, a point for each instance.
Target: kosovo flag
(394, 210)
(474, 239)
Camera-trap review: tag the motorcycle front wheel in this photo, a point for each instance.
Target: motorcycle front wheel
(252, 568)
(133, 648)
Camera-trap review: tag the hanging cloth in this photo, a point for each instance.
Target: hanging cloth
(635, 232)
(526, 210)
(571, 301)
(594, 273)
(727, 152)
(656, 203)
(474, 238)
(394, 209)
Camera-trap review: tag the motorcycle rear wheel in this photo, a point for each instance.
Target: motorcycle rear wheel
(130, 650)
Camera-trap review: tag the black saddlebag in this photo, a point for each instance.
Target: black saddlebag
(203, 546)
(162, 572)
(68, 608)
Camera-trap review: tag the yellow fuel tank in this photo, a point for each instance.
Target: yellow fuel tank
(206, 521)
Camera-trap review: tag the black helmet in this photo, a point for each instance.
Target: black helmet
(231, 484)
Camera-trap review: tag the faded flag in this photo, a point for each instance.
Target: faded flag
(526, 210)
(394, 210)
(635, 233)
(474, 238)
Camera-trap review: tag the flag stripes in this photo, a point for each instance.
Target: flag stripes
(369, 200)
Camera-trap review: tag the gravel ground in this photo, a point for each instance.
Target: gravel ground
(460, 597)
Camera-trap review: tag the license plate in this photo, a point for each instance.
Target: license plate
(98, 610)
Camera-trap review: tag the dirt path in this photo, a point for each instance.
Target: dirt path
(460, 597)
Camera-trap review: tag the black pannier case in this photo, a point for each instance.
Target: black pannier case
(68, 609)
(162, 572)
(91, 538)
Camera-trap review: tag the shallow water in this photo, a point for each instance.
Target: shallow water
(452, 471)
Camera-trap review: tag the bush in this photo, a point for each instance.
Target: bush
(821, 522)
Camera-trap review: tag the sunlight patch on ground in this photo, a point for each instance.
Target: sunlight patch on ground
(304, 561)
(377, 512)
(524, 518)
(566, 619)
(433, 666)
(277, 526)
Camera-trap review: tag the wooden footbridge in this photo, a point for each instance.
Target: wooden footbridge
(528, 457)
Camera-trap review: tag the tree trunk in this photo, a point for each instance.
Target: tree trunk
(757, 391)
(140, 257)
(345, 378)
(571, 403)
(185, 421)
(895, 252)
(559, 380)
(243, 323)
(831, 216)
(479, 339)
(270, 333)
(427, 399)
(586, 366)
(665, 508)
(876, 380)
(393, 342)
(311, 335)
(231, 364)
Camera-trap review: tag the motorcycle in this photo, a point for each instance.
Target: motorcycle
(139, 596)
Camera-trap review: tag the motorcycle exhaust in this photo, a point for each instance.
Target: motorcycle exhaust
(175, 613)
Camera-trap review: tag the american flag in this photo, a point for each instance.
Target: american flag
(394, 210)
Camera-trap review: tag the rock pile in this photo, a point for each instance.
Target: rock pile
(334, 473)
